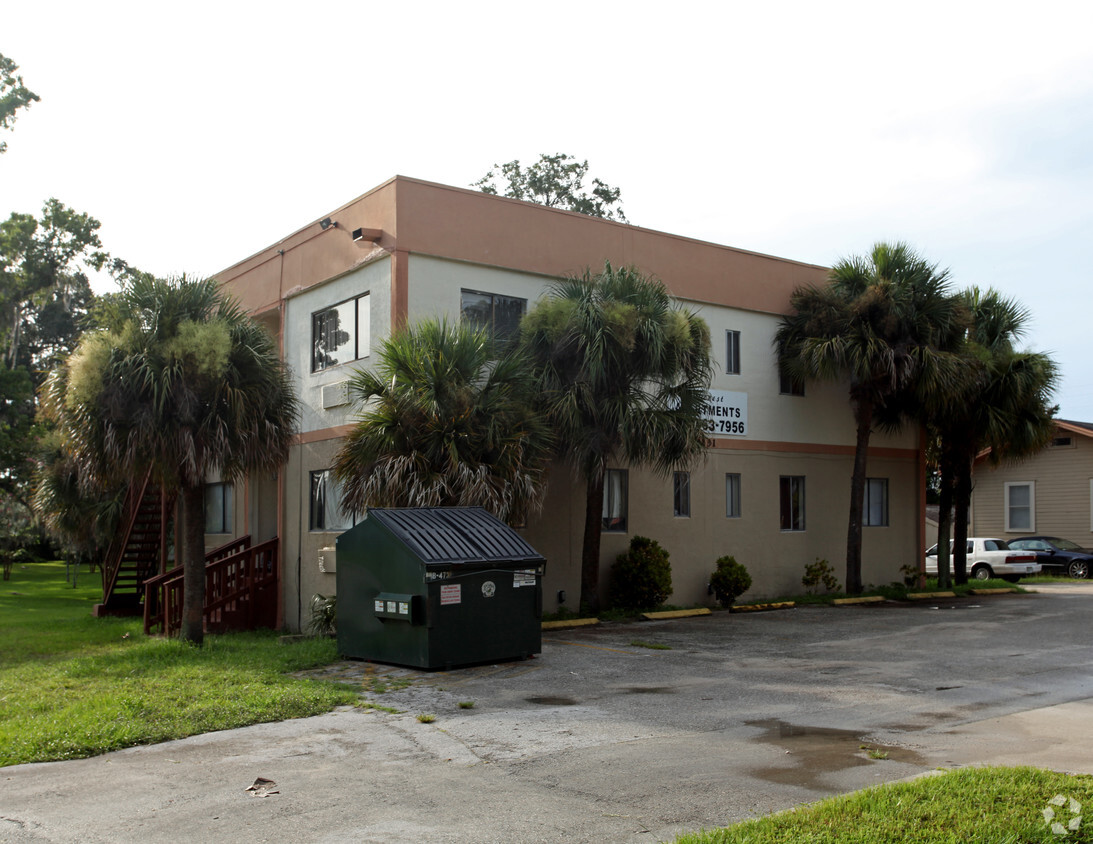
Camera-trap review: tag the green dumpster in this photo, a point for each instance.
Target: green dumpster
(437, 587)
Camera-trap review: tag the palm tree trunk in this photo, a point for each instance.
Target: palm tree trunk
(944, 521)
(963, 499)
(863, 415)
(590, 554)
(193, 564)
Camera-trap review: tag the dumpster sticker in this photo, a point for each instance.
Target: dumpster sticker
(392, 606)
(379, 606)
(523, 578)
(403, 608)
(450, 594)
(488, 589)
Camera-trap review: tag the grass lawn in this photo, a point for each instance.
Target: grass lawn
(996, 805)
(73, 686)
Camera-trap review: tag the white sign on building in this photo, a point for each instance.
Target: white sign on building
(726, 414)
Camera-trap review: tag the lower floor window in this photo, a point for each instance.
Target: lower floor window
(218, 508)
(614, 500)
(791, 498)
(326, 503)
(875, 506)
(732, 496)
(1020, 506)
(681, 494)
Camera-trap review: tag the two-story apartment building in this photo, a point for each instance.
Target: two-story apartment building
(774, 488)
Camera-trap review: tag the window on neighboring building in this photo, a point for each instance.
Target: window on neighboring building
(218, 508)
(791, 498)
(326, 503)
(1020, 507)
(875, 506)
(732, 496)
(500, 314)
(732, 352)
(681, 494)
(1062, 442)
(790, 386)
(340, 334)
(614, 500)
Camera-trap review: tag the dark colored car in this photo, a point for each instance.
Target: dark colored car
(1057, 556)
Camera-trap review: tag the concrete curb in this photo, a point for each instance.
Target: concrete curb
(569, 622)
(653, 616)
(868, 599)
(925, 596)
(780, 605)
(994, 591)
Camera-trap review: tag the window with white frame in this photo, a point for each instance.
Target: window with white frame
(340, 334)
(788, 386)
(501, 315)
(681, 494)
(732, 496)
(1020, 507)
(615, 484)
(791, 502)
(875, 505)
(325, 512)
(218, 508)
(732, 352)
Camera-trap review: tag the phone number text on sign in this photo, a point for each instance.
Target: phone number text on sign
(726, 414)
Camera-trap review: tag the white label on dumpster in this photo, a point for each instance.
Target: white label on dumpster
(523, 578)
(403, 608)
(379, 606)
(450, 594)
(392, 606)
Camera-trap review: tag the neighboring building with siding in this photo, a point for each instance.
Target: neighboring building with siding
(774, 490)
(1049, 494)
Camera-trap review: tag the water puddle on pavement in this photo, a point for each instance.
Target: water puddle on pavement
(552, 701)
(813, 752)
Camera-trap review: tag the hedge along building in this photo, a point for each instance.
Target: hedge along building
(774, 490)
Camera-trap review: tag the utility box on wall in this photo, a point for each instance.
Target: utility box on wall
(437, 587)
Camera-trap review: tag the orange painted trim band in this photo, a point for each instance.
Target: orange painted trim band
(325, 434)
(812, 448)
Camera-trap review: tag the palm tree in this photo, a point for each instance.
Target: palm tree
(623, 373)
(445, 421)
(1000, 404)
(184, 384)
(883, 323)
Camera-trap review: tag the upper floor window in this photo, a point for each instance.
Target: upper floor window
(732, 352)
(788, 386)
(340, 334)
(615, 483)
(218, 508)
(875, 507)
(501, 315)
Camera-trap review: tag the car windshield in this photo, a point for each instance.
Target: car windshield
(1065, 544)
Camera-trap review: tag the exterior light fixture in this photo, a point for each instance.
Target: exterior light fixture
(367, 234)
(326, 223)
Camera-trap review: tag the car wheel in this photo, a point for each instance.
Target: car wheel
(982, 572)
(1078, 568)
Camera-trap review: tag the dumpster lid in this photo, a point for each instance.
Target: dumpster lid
(455, 534)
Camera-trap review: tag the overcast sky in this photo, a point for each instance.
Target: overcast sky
(200, 132)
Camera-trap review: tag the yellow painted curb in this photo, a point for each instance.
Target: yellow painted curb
(653, 616)
(994, 591)
(781, 605)
(868, 599)
(570, 622)
(921, 596)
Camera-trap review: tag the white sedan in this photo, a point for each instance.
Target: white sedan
(989, 558)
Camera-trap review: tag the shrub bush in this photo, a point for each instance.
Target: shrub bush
(729, 581)
(817, 573)
(642, 577)
(324, 615)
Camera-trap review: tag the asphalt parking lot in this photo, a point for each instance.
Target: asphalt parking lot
(602, 739)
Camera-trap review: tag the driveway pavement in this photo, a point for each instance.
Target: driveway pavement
(601, 739)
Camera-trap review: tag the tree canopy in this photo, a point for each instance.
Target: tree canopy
(556, 181)
(183, 384)
(14, 95)
(445, 421)
(623, 373)
(884, 323)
